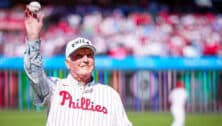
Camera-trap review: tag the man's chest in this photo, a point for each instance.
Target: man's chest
(90, 99)
(80, 107)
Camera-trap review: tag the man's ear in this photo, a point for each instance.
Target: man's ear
(67, 64)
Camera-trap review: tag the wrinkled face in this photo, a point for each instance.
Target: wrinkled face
(81, 62)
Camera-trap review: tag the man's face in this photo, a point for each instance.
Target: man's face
(81, 62)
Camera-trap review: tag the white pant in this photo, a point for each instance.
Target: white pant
(178, 117)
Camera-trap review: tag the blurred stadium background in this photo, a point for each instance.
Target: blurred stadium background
(143, 48)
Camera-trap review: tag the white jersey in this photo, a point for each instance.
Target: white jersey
(178, 98)
(96, 105)
(69, 104)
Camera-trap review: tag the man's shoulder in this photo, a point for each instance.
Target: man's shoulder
(106, 88)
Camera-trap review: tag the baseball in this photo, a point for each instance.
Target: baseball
(34, 6)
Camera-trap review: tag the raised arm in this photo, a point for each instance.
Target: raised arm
(33, 59)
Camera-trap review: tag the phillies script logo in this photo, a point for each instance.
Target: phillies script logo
(83, 103)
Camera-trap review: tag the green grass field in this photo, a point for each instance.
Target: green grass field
(24, 118)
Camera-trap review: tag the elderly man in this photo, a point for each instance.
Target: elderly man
(76, 100)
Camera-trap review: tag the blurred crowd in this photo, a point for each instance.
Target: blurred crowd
(116, 33)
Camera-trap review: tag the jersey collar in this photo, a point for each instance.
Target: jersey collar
(74, 82)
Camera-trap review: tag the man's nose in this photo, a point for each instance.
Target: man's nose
(85, 58)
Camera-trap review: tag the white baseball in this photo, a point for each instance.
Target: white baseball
(34, 6)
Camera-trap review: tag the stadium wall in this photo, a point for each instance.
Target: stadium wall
(143, 82)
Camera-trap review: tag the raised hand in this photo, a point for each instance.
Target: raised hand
(33, 25)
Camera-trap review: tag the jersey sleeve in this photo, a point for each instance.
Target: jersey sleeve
(121, 118)
(40, 83)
